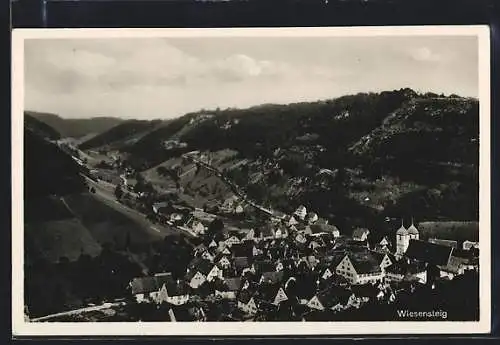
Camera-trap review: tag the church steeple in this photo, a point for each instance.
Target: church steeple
(402, 239)
(413, 231)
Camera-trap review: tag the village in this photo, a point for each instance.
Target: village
(251, 263)
(302, 266)
(298, 266)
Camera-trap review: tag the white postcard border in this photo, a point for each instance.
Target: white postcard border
(22, 328)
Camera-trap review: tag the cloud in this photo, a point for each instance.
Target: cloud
(145, 78)
(425, 54)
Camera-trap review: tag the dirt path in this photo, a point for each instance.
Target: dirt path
(78, 311)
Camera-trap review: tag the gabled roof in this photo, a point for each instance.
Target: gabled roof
(144, 285)
(264, 266)
(403, 268)
(364, 263)
(324, 228)
(448, 243)
(233, 284)
(337, 280)
(150, 284)
(176, 287)
(359, 232)
(267, 231)
(434, 254)
(333, 296)
(334, 259)
(379, 256)
(242, 249)
(272, 277)
(241, 262)
(229, 284)
(202, 265)
(245, 295)
(268, 292)
(454, 265)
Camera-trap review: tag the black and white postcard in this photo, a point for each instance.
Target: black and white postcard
(277, 181)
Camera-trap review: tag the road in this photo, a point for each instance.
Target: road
(78, 311)
(236, 189)
(105, 193)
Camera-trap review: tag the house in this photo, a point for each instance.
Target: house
(228, 288)
(250, 235)
(175, 292)
(290, 221)
(272, 277)
(311, 218)
(434, 254)
(301, 212)
(197, 272)
(383, 259)
(360, 234)
(301, 238)
(468, 245)
(267, 232)
(239, 209)
(196, 226)
(146, 289)
(159, 288)
(327, 273)
(256, 251)
(271, 293)
(212, 245)
(383, 246)
(402, 270)
(157, 206)
(456, 266)
(324, 229)
(447, 243)
(232, 240)
(223, 261)
(241, 264)
(281, 233)
(246, 301)
(207, 256)
(230, 204)
(199, 250)
(244, 248)
(334, 298)
(176, 217)
(360, 268)
(335, 279)
(215, 272)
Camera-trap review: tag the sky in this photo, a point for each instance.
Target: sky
(161, 78)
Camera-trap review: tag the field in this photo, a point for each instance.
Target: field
(458, 231)
(79, 223)
(105, 223)
(62, 238)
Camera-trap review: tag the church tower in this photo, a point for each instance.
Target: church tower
(413, 232)
(402, 240)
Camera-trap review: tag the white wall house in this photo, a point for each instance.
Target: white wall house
(364, 275)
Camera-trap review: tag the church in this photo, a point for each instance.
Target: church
(403, 237)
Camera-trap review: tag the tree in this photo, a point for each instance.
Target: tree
(215, 227)
(118, 192)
